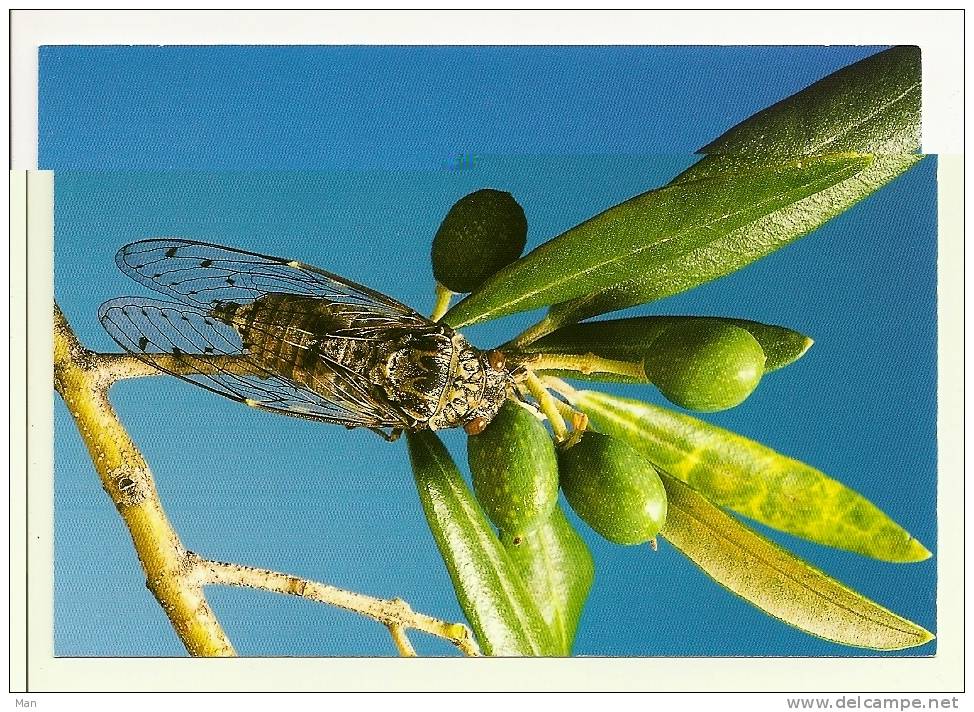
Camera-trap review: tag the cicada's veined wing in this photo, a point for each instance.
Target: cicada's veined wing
(188, 342)
(204, 275)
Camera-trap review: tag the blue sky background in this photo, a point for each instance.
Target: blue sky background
(294, 108)
(382, 128)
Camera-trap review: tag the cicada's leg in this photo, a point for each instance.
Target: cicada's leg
(519, 372)
(519, 399)
(519, 394)
(389, 437)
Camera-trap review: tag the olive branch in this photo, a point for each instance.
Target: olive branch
(644, 469)
(175, 575)
(523, 588)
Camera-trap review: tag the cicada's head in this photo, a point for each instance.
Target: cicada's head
(497, 385)
(479, 385)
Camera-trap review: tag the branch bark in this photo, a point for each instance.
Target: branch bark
(395, 614)
(83, 383)
(175, 575)
(583, 363)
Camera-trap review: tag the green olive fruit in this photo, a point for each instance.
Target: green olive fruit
(613, 488)
(705, 366)
(515, 470)
(483, 232)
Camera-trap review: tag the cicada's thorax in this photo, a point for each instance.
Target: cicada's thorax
(443, 363)
(430, 375)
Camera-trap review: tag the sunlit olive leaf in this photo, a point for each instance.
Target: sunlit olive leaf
(488, 586)
(752, 479)
(871, 107)
(558, 569)
(737, 248)
(776, 581)
(630, 339)
(647, 232)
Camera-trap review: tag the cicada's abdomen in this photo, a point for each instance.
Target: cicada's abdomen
(289, 334)
(426, 376)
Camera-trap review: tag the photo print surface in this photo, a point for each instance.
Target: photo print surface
(777, 488)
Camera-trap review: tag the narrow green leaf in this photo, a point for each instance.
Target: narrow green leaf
(647, 232)
(488, 586)
(558, 569)
(752, 479)
(631, 339)
(871, 107)
(777, 582)
(737, 248)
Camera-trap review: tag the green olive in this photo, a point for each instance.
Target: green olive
(705, 366)
(515, 470)
(483, 232)
(613, 488)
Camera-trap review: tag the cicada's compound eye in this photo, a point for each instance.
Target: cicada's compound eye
(496, 360)
(475, 426)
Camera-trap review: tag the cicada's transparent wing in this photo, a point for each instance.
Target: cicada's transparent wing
(187, 342)
(203, 275)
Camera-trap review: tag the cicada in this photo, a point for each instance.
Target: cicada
(286, 337)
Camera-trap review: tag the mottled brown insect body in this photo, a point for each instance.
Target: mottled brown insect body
(430, 374)
(301, 341)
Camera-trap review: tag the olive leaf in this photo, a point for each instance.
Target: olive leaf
(870, 107)
(648, 232)
(752, 479)
(737, 248)
(489, 588)
(631, 339)
(776, 581)
(558, 570)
